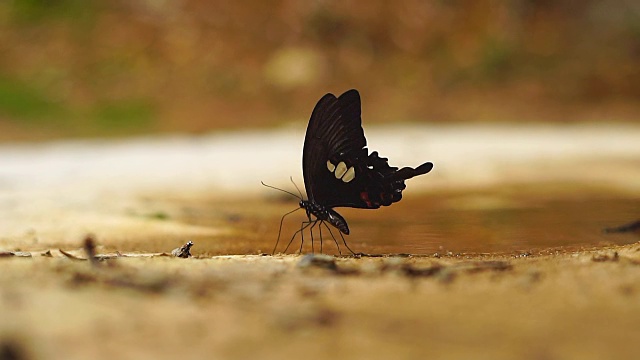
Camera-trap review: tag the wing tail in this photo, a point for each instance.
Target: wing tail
(409, 172)
(389, 181)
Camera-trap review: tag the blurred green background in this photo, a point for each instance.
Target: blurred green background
(89, 68)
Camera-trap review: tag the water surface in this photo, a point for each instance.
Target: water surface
(486, 222)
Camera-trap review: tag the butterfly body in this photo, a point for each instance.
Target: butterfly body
(338, 169)
(323, 213)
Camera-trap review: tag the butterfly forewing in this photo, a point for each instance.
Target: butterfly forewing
(338, 170)
(334, 135)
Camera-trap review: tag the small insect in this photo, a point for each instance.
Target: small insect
(339, 171)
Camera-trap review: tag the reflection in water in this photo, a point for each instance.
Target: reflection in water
(429, 225)
(561, 223)
(633, 227)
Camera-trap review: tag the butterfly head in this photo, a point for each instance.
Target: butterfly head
(304, 203)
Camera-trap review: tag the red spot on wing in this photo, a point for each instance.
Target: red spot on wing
(365, 197)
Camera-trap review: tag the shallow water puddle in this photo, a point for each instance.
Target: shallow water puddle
(565, 223)
(425, 225)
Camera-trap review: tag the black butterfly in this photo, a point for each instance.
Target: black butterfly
(339, 171)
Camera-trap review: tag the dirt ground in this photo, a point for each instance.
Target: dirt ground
(578, 305)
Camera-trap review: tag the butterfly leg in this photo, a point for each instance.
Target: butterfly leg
(320, 227)
(334, 238)
(343, 240)
(280, 230)
(313, 251)
(303, 226)
(345, 243)
(311, 232)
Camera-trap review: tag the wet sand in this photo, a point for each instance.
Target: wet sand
(142, 198)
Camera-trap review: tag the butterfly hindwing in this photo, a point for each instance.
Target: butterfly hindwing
(338, 171)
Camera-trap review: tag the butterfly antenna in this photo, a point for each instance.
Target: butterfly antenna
(285, 191)
(297, 188)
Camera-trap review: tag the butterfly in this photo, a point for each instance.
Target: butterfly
(339, 171)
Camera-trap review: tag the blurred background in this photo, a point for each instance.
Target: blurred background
(104, 68)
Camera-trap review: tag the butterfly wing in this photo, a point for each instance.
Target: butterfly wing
(338, 171)
(334, 130)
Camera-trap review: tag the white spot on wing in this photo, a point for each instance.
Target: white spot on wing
(330, 166)
(349, 175)
(340, 169)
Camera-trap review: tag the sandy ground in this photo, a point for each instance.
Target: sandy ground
(552, 304)
(568, 306)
